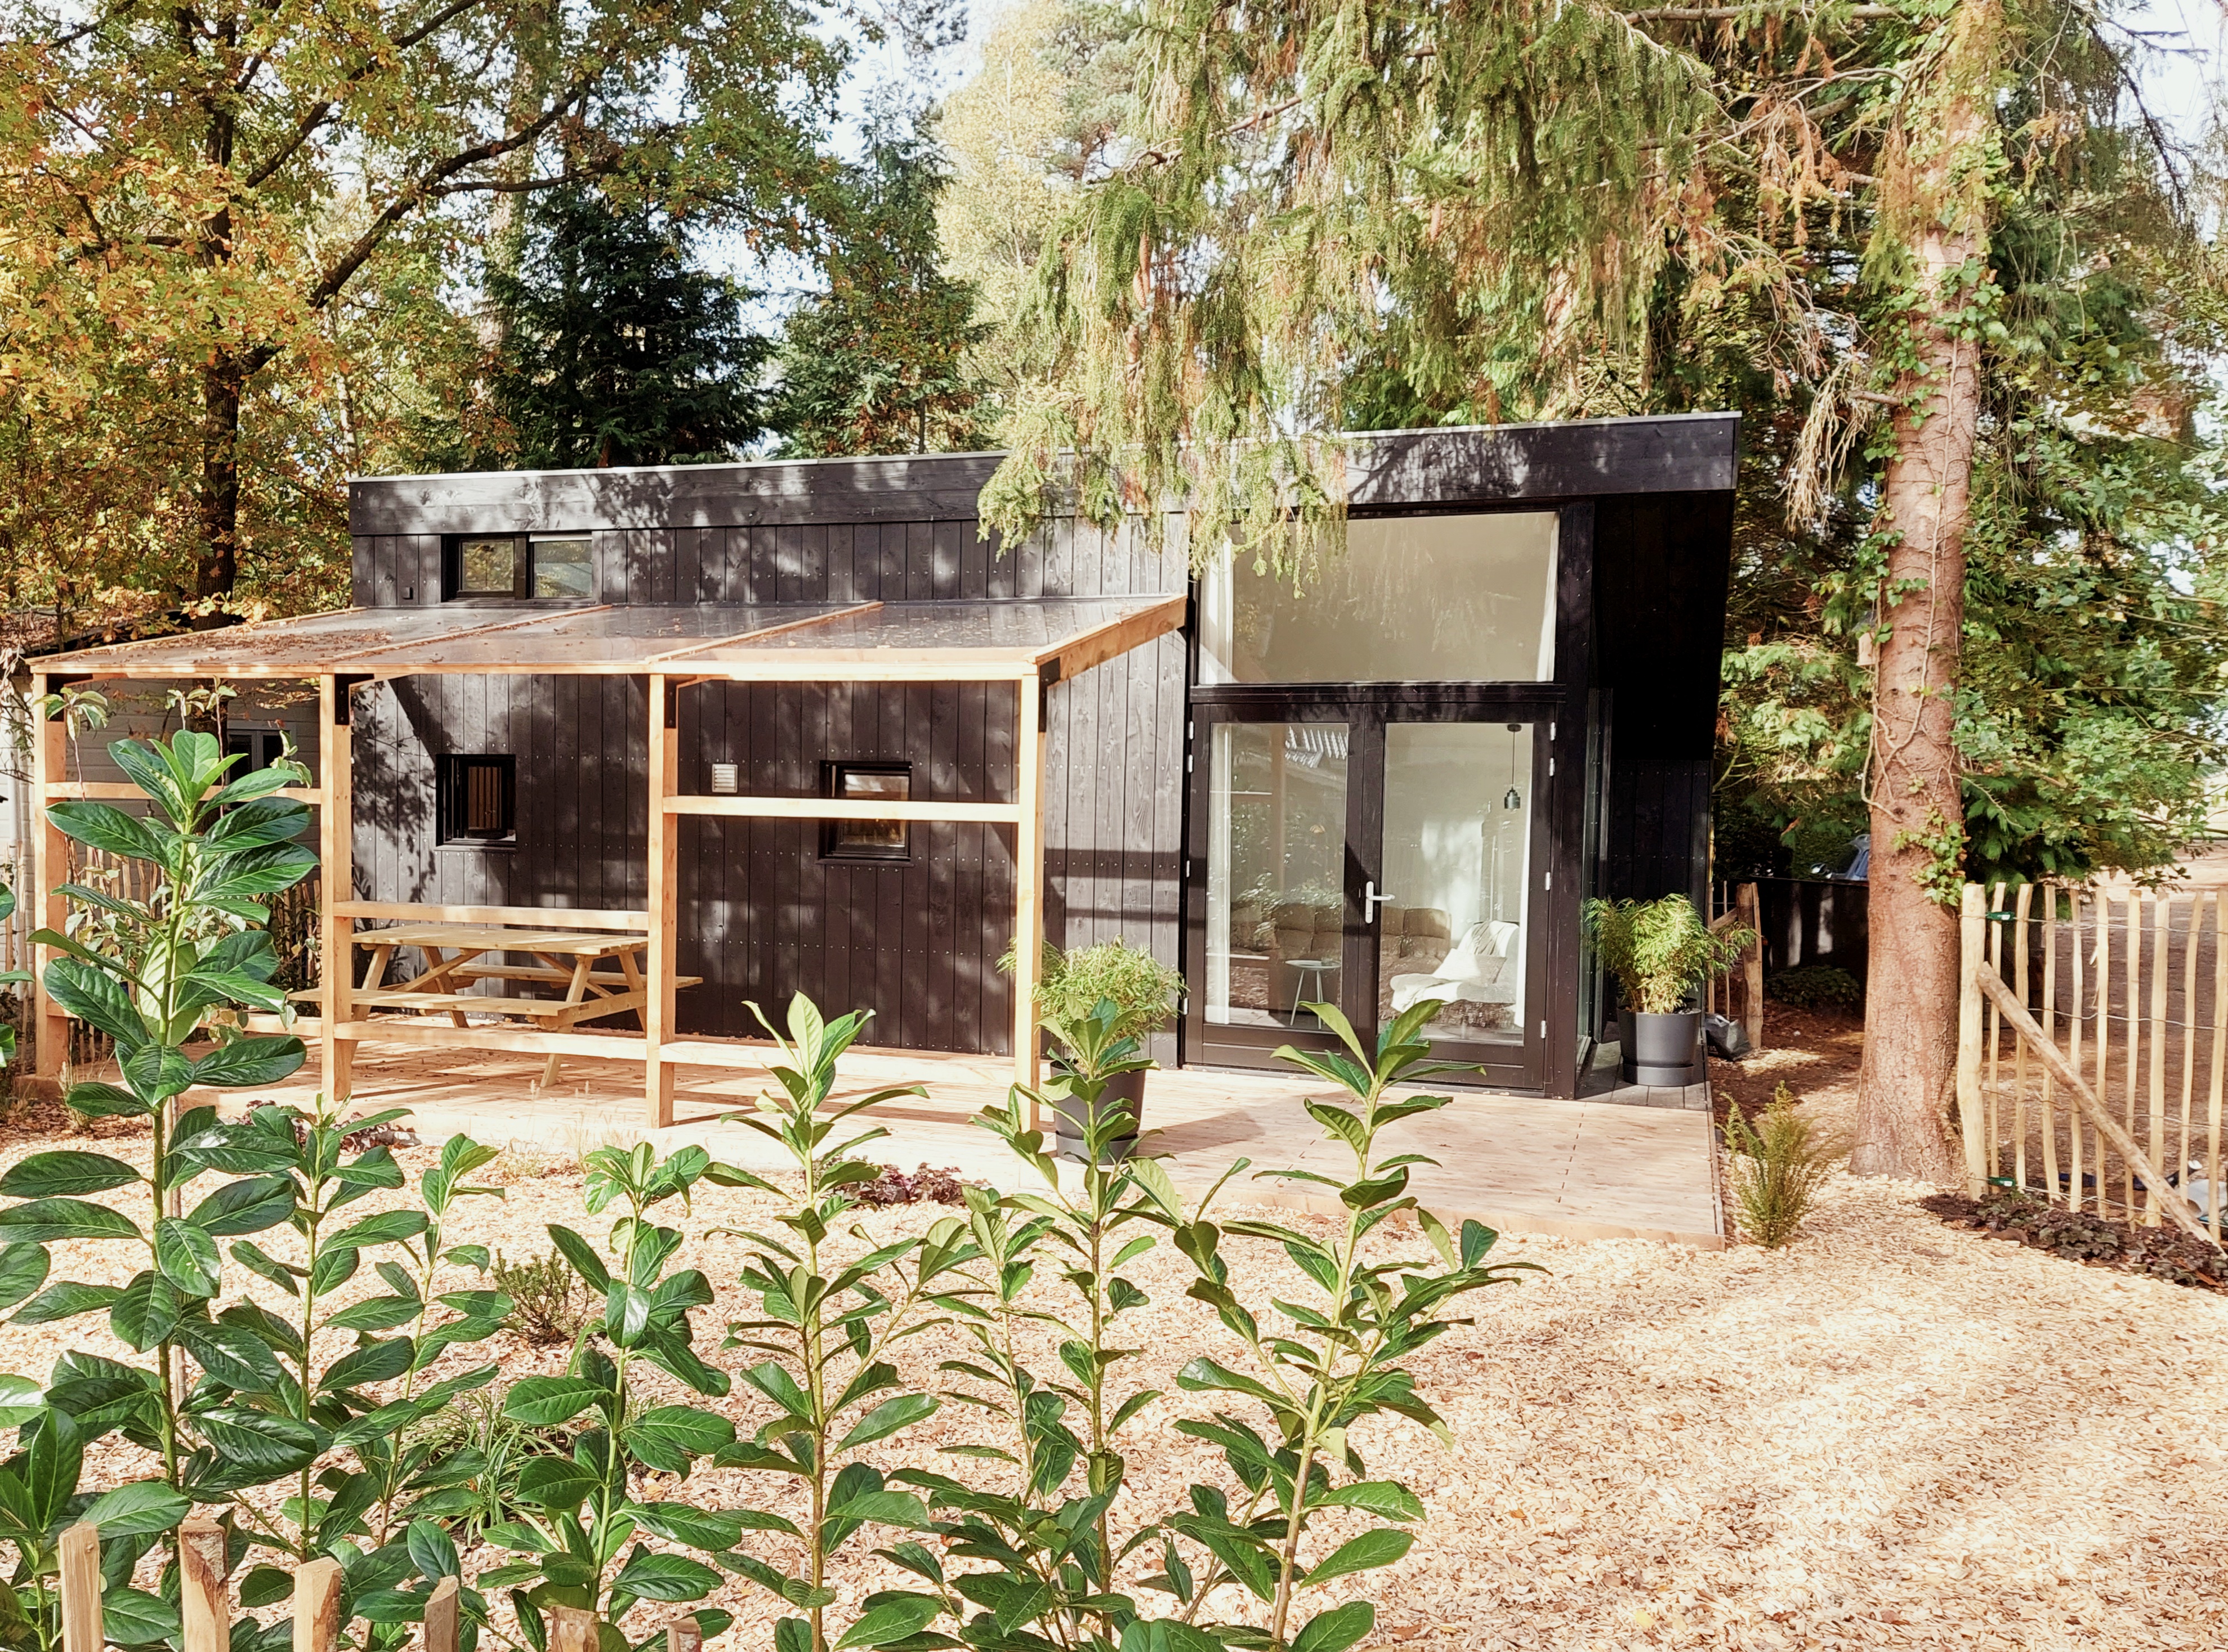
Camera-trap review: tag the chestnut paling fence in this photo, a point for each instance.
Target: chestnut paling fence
(1737, 994)
(2093, 1046)
(205, 1601)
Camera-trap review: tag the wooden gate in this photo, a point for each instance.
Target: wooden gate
(2093, 1029)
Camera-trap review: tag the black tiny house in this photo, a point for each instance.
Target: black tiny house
(1397, 786)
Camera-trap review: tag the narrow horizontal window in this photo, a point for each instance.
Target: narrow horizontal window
(477, 798)
(867, 840)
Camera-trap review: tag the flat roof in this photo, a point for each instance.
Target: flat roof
(781, 642)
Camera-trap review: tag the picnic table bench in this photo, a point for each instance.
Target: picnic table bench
(464, 955)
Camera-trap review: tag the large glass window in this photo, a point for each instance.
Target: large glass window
(1276, 866)
(1468, 598)
(1458, 802)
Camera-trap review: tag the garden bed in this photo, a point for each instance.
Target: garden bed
(1865, 1441)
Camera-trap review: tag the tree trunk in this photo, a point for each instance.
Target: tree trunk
(1935, 171)
(218, 565)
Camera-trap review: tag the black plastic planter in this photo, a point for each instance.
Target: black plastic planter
(1663, 1050)
(1126, 1089)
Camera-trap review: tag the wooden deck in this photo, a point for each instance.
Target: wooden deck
(1596, 1169)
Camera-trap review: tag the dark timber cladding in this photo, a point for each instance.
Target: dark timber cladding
(764, 913)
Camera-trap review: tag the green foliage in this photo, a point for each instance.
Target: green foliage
(1071, 985)
(615, 350)
(1816, 986)
(880, 362)
(241, 250)
(1777, 1168)
(1661, 950)
(581, 1524)
(550, 1302)
(824, 1332)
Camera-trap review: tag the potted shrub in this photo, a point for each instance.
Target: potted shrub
(1660, 951)
(1100, 1003)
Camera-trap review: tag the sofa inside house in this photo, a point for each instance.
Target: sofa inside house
(1419, 957)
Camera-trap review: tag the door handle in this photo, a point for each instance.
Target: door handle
(1371, 901)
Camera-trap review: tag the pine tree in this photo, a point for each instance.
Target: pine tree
(614, 349)
(880, 362)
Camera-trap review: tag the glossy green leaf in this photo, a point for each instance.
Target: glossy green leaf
(188, 1257)
(546, 1402)
(894, 1618)
(1363, 1554)
(133, 1617)
(887, 1418)
(22, 1269)
(66, 1299)
(65, 1173)
(44, 1220)
(665, 1576)
(136, 1509)
(248, 1207)
(1336, 1630)
(146, 1313)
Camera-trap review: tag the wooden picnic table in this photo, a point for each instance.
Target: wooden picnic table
(461, 955)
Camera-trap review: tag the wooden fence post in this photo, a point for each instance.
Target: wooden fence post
(684, 1635)
(440, 1618)
(80, 1584)
(571, 1630)
(1750, 902)
(204, 1602)
(1973, 933)
(318, 1606)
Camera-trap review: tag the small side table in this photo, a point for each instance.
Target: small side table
(1317, 968)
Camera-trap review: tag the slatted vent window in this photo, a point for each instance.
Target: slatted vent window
(477, 799)
(867, 840)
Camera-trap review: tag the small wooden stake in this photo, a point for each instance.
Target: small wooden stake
(318, 1606)
(1973, 948)
(684, 1635)
(80, 1564)
(571, 1630)
(204, 1602)
(440, 1618)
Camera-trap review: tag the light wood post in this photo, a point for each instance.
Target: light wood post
(1751, 914)
(664, 767)
(203, 1601)
(440, 1618)
(318, 1607)
(80, 1584)
(571, 1630)
(336, 886)
(684, 1635)
(1029, 886)
(50, 871)
(1973, 938)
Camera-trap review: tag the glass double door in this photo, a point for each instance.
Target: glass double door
(1369, 857)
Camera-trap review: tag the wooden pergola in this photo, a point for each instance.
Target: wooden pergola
(1030, 644)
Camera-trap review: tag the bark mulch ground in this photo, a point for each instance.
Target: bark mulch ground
(2162, 1252)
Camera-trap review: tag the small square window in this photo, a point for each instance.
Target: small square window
(257, 748)
(564, 567)
(867, 840)
(490, 568)
(477, 799)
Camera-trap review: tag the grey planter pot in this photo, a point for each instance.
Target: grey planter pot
(1127, 1089)
(1662, 1049)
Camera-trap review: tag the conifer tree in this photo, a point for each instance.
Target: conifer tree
(880, 362)
(1540, 210)
(614, 349)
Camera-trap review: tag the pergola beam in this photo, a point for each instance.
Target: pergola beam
(664, 778)
(336, 884)
(49, 759)
(951, 811)
(1029, 886)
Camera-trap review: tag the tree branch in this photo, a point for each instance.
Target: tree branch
(1729, 14)
(428, 186)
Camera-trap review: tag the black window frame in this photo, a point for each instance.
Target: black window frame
(832, 848)
(522, 562)
(451, 792)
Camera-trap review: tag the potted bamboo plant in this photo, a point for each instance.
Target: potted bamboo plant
(1660, 951)
(1100, 1003)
